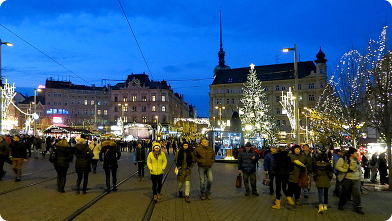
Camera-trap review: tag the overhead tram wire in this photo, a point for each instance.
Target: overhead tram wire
(133, 33)
(43, 53)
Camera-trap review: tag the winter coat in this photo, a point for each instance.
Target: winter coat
(18, 150)
(335, 158)
(296, 172)
(245, 161)
(269, 163)
(282, 163)
(382, 165)
(322, 173)
(64, 155)
(140, 154)
(96, 148)
(184, 162)
(37, 143)
(349, 169)
(156, 165)
(109, 154)
(4, 148)
(204, 156)
(82, 163)
(309, 162)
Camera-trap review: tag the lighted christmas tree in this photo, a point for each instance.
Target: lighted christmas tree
(255, 119)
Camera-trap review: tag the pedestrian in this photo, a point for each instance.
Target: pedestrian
(322, 175)
(82, 164)
(269, 167)
(174, 146)
(156, 162)
(19, 155)
(309, 168)
(366, 166)
(350, 177)
(37, 143)
(64, 155)
(109, 155)
(184, 163)
(205, 157)
(247, 160)
(337, 154)
(140, 158)
(282, 168)
(374, 167)
(4, 155)
(298, 160)
(28, 141)
(95, 147)
(383, 168)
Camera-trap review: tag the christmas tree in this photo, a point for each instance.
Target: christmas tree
(256, 121)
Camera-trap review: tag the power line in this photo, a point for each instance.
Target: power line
(43, 53)
(134, 36)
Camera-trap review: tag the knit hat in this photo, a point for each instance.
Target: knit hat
(156, 145)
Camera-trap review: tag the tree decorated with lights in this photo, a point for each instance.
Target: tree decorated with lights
(256, 121)
(380, 103)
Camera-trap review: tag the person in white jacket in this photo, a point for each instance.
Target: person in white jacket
(96, 148)
(156, 162)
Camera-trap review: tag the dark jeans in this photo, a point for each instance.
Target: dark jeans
(271, 187)
(156, 183)
(350, 187)
(2, 160)
(82, 176)
(114, 175)
(252, 177)
(323, 192)
(61, 177)
(294, 189)
(281, 184)
(140, 169)
(337, 186)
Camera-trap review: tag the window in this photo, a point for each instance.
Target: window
(153, 108)
(163, 109)
(85, 102)
(99, 112)
(134, 119)
(277, 88)
(311, 97)
(144, 109)
(85, 111)
(92, 112)
(218, 101)
(163, 97)
(153, 98)
(230, 80)
(134, 109)
(92, 102)
(277, 98)
(144, 98)
(125, 108)
(265, 88)
(232, 100)
(311, 86)
(227, 91)
(48, 102)
(278, 123)
(54, 94)
(283, 88)
(241, 90)
(321, 85)
(278, 111)
(125, 119)
(115, 99)
(59, 102)
(134, 98)
(78, 101)
(115, 109)
(227, 101)
(218, 91)
(65, 103)
(299, 86)
(48, 94)
(125, 99)
(144, 119)
(232, 91)
(105, 112)
(283, 122)
(72, 101)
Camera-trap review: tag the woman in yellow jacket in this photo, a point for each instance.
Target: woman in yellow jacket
(156, 162)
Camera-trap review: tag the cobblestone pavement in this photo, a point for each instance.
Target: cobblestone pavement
(35, 198)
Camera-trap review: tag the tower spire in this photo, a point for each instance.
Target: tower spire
(221, 54)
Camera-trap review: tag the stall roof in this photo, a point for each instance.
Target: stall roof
(65, 129)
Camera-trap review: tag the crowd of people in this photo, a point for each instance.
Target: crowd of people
(290, 170)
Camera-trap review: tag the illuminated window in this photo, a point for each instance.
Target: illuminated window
(144, 98)
(163, 108)
(153, 108)
(92, 102)
(105, 112)
(99, 112)
(153, 98)
(85, 102)
(125, 99)
(134, 98)
(163, 97)
(144, 119)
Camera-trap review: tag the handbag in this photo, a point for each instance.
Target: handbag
(266, 180)
(304, 180)
(52, 156)
(238, 181)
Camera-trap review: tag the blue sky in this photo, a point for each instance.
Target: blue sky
(179, 39)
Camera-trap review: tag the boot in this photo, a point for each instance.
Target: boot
(62, 185)
(277, 204)
(108, 186)
(321, 208)
(180, 194)
(155, 198)
(325, 207)
(94, 169)
(187, 199)
(78, 186)
(58, 184)
(114, 184)
(290, 200)
(159, 196)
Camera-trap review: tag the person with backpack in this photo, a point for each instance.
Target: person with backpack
(322, 175)
(109, 155)
(140, 158)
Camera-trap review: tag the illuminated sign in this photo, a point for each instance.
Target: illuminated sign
(57, 120)
(41, 86)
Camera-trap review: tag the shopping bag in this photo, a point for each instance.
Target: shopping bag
(238, 181)
(266, 180)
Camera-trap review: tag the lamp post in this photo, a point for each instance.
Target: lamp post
(157, 131)
(306, 125)
(296, 95)
(220, 115)
(122, 117)
(1, 88)
(35, 115)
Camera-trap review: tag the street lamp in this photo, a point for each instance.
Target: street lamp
(35, 115)
(296, 95)
(220, 115)
(1, 88)
(157, 131)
